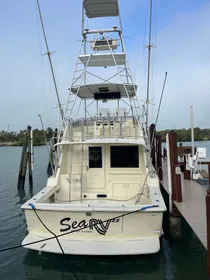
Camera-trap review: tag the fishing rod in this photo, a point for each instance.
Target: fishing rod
(149, 46)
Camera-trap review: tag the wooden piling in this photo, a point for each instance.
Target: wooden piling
(209, 174)
(208, 230)
(23, 164)
(174, 218)
(173, 161)
(159, 157)
(152, 143)
(30, 173)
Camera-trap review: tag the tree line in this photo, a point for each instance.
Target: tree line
(17, 138)
(185, 134)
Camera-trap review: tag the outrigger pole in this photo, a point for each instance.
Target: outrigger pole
(149, 46)
(50, 61)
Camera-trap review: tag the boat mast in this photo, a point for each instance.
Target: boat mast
(50, 61)
(149, 46)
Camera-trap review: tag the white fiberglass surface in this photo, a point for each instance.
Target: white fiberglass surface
(101, 8)
(103, 59)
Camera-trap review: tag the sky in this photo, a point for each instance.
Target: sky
(181, 33)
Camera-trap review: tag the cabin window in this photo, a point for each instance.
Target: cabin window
(124, 156)
(95, 157)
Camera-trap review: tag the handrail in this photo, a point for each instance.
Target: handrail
(89, 137)
(101, 120)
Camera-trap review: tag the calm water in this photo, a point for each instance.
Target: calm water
(182, 259)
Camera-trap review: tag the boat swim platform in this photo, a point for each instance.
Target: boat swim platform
(193, 207)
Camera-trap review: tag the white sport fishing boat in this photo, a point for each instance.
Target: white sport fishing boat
(104, 196)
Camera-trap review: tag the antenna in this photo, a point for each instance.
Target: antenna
(50, 61)
(149, 46)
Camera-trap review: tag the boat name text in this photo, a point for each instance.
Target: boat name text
(100, 226)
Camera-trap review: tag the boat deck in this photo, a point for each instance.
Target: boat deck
(193, 207)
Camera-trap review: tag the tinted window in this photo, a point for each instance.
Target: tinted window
(125, 156)
(95, 157)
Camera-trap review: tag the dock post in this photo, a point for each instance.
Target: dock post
(173, 161)
(209, 174)
(23, 164)
(152, 134)
(174, 218)
(30, 141)
(159, 157)
(208, 230)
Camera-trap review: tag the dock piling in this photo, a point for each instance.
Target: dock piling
(173, 161)
(209, 174)
(175, 185)
(30, 143)
(152, 135)
(26, 159)
(159, 157)
(23, 164)
(208, 230)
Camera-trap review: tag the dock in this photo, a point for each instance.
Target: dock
(193, 205)
(187, 198)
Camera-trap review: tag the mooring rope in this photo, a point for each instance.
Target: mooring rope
(76, 230)
(33, 207)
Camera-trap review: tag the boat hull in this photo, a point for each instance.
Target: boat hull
(133, 246)
(94, 233)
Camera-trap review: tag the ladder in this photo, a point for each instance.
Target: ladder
(77, 81)
(76, 176)
(70, 172)
(82, 173)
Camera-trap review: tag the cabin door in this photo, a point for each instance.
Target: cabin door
(95, 168)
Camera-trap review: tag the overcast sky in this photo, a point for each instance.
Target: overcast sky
(181, 33)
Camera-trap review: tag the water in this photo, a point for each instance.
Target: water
(181, 259)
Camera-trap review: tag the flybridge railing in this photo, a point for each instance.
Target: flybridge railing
(109, 120)
(112, 127)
